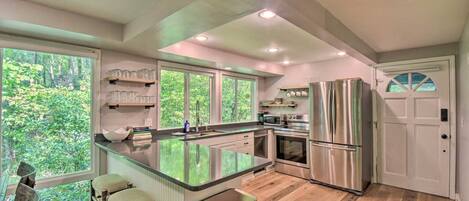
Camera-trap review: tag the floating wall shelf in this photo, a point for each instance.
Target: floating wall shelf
(294, 88)
(114, 80)
(292, 105)
(116, 105)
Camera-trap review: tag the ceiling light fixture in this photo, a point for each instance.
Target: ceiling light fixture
(286, 62)
(201, 38)
(227, 68)
(273, 50)
(267, 14)
(341, 53)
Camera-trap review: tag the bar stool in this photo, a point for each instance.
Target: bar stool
(130, 194)
(25, 193)
(27, 173)
(105, 185)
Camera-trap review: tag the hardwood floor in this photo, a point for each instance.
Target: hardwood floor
(280, 187)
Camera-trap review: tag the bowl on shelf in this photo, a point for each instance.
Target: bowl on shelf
(116, 135)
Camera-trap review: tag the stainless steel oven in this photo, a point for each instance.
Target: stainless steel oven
(292, 153)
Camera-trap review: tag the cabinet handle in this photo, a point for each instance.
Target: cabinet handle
(246, 143)
(246, 136)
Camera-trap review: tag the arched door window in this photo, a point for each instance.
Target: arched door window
(417, 82)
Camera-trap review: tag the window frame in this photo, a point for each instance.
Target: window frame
(187, 70)
(254, 100)
(23, 43)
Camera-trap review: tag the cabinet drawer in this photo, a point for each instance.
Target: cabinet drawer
(224, 139)
(235, 144)
(237, 137)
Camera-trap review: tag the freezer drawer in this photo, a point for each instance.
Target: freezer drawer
(337, 165)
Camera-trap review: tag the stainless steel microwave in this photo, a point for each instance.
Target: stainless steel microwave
(275, 120)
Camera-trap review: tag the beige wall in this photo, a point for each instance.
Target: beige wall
(301, 75)
(121, 117)
(462, 74)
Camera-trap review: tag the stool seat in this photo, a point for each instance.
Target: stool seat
(130, 194)
(108, 184)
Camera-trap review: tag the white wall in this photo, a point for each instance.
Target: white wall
(301, 75)
(121, 117)
(463, 115)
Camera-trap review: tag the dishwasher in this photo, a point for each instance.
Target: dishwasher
(261, 143)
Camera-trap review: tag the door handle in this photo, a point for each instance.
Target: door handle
(444, 136)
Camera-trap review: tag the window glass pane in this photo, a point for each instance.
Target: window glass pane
(228, 100)
(172, 99)
(395, 88)
(199, 91)
(245, 106)
(79, 191)
(403, 79)
(417, 78)
(46, 111)
(427, 86)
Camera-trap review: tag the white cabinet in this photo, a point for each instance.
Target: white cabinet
(243, 142)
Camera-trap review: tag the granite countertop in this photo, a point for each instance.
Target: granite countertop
(192, 166)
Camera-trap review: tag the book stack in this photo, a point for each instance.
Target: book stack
(140, 133)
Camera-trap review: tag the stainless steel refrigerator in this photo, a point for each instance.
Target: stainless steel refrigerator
(341, 134)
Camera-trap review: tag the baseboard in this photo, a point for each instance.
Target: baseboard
(456, 197)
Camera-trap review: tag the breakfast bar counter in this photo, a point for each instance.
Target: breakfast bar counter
(172, 168)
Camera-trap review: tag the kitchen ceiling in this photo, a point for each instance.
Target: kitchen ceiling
(118, 11)
(392, 25)
(252, 36)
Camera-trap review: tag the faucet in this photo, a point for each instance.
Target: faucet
(197, 116)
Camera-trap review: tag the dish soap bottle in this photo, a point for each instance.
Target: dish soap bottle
(187, 126)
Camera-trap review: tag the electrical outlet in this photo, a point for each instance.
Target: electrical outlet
(148, 122)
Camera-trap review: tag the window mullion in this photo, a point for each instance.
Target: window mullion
(236, 115)
(186, 96)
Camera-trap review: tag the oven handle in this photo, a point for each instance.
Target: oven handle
(260, 135)
(291, 135)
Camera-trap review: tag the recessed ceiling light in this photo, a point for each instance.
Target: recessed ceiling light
(286, 62)
(201, 38)
(227, 68)
(341, 53)
(273, 50)
(267, 14)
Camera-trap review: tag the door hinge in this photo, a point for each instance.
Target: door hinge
(375, 124)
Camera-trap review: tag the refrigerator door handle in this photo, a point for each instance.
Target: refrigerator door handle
(332, 113)
(331, 146)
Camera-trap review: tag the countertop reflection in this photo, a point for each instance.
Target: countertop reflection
(192, 166)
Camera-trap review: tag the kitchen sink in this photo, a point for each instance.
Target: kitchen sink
(195, 135)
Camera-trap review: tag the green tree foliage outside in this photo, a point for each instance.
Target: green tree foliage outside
(46, 117)
(172, 98)
(237, 100)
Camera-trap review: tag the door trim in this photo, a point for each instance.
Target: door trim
(452, 96)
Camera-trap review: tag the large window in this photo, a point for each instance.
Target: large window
(237, 99)
(47, 113)
(181, 93)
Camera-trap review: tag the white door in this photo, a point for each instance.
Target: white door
(413, 132)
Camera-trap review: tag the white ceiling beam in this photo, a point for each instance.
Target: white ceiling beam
(161, 10)
(223, 59)
(195, 18)
(312, 17)
(24, 12)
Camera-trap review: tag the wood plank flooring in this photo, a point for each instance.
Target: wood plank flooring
(275, 186)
